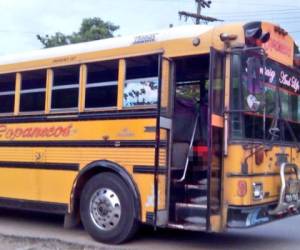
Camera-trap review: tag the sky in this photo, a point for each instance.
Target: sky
(21, 21)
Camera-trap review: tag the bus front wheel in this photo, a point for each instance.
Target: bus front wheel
(107, 209)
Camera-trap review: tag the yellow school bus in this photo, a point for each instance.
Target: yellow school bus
(194, 128)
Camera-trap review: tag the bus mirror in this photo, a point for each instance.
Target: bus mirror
(265, 37)
(253, 75)
(252, 35)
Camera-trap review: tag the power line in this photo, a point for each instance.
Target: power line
(254, 13)
(256, 3)
(258, 11)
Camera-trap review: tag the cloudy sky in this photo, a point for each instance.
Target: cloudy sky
(20, 21)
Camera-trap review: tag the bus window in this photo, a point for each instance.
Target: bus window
(33, 88)
(218, 85)
(65, 88)
(141, 85)
(102, 84)
(7, 93)
(285, 105)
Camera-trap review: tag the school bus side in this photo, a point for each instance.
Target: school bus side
(56, 137)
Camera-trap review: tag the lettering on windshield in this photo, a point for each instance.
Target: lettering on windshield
(289, 81)
(287, 78)
(270, 73)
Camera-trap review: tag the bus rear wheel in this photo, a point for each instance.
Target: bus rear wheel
(107, 209)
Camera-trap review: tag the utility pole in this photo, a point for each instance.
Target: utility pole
(199, 10)
(197, 16)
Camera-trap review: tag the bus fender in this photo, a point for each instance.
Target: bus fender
(97, 167)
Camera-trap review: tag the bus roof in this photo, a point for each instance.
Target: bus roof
(185, 31)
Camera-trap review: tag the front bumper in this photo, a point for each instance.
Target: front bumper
(244, 217)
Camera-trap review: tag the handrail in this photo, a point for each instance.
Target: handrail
(190, 148)
(282, 205)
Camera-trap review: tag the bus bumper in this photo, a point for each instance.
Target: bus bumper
(244, 217)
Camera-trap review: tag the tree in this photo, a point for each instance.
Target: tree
(91, 29)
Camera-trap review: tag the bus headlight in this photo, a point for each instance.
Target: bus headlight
(258, 192)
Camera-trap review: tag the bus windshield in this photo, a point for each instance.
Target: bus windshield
(266, 96)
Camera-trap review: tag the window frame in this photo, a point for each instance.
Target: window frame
(282, 91)
(37, 90)
(107, 83)
(14, 93)
(59, 87)
(141, 106)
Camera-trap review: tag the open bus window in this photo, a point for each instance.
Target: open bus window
(102, 84)
(7, 93)
(33, 89)
(65, 87)
(141, 85)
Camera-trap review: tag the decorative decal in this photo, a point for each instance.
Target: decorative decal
(144, 39)
(140, 92)
(126, 133)
(289, 81)
(35, 132)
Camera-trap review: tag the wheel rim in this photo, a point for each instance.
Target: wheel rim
(105, 209)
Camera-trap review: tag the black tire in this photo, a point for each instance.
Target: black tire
(127, 223)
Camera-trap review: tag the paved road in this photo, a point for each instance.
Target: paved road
(24, 230)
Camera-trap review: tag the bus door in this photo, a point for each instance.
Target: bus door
(215, 139)
(163, 128)
(189, 149)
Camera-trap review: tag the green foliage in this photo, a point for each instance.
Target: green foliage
(91, 29)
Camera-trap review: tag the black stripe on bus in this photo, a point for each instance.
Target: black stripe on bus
(40, 165)
(78, 143)
(148, 170)
(55, 208)
(62, 117)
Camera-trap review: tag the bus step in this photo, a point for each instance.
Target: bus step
(188, 226)
(185, 210)
(203, 182)
(195, 220)
(195, 187)
(202, 200)
(190, 206)
(199, 200)
(194, 192)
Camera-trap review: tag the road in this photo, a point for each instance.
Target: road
(24, 231)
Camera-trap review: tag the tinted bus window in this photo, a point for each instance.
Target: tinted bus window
(141, 85)
(33, 89)
(65, 87)
(7, 92)
(102, 84)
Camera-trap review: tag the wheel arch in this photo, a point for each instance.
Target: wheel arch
(98, 167)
